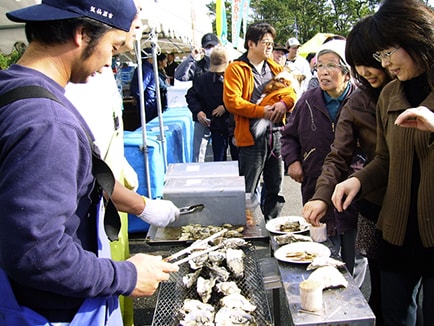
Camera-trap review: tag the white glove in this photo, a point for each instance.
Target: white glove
(159, 212)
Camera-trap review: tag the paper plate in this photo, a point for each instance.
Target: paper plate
(301, 252)
(274, 224)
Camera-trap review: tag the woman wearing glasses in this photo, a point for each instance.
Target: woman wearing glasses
(356, 137)
(402, 34)
(309, 132)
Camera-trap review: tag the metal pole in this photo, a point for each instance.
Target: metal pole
(154, 43)
(143, 116)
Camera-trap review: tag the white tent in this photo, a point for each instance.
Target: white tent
(179, 25)
(169, 26)
(11, 32)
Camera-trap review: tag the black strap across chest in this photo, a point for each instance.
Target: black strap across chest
(100, 170)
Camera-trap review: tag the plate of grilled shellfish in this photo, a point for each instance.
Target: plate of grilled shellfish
(301, 252)
(287, 224)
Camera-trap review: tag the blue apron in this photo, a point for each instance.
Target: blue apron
(93, 311)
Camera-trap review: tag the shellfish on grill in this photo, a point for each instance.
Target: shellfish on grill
(190, 279)
(229, 316)
(217, 256)
(194, 312)
(237, 300)
(204, 288)
(234, 261)
(219, 273)
(228, 288)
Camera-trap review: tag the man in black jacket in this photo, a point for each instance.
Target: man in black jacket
(205, 101)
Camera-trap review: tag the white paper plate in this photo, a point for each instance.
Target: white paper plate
(274, 224)
(318, 249)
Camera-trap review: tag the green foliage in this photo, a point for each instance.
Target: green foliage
(8, 59)
(304, 18)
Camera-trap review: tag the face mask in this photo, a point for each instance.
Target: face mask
(208, 51)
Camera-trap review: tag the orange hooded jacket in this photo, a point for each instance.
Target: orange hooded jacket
(237, 91)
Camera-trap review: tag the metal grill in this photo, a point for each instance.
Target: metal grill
(172, 293)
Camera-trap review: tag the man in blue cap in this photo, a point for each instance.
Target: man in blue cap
(197, 62)
(54, 255)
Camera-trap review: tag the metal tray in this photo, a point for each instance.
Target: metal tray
(170, 235)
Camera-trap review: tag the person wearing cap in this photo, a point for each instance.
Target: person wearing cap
(245, 79)
(308, 134)
(99, 101)
(149, 86)
(197, 62)
(61, 271)
(297, 65)
(279, 54)
(193, 66)
(205, 101)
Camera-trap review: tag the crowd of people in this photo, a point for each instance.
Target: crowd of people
(353, 123)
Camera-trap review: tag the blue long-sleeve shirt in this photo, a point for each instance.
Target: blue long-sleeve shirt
(47, 240)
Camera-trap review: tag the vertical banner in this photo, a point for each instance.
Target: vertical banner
(221, 22)
(246, 6)
(236, 21)
(240, 10)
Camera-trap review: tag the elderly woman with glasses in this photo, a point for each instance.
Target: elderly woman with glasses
(355, 141)
(402, 33)
(309, 132)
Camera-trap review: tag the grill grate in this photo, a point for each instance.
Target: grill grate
(172, 293)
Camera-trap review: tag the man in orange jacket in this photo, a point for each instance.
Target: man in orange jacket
(245, 79)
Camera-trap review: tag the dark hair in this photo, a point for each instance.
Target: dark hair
(358, 52)
(334, 37)
(61, 31)
(161, 57)
(410, 25)
(310, 56)
(256, 32)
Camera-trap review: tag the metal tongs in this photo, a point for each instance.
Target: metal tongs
(191, 209)
(196, 245)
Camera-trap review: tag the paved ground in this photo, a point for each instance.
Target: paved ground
(293, 206)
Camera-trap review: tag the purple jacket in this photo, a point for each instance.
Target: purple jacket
(307, 137)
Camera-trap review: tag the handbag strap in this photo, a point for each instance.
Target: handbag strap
(100, 170)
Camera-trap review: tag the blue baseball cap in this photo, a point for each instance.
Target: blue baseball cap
(115, 13)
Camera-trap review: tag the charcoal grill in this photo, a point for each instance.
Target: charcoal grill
(172, 292)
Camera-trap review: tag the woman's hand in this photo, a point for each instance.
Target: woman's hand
(421, 118)
(345, 192)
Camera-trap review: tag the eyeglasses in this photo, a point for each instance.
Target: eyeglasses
(328, 66)
(267, 43)
(379, 56)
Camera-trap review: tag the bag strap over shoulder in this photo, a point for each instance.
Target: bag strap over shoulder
(25, 92)
(100, 170)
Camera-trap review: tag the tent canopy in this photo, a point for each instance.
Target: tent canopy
(314, 43)
(11, 32)
(178, 24)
